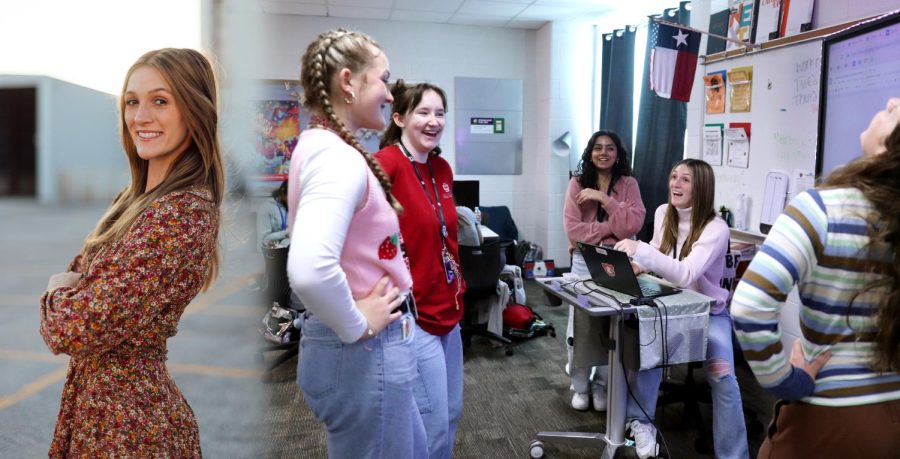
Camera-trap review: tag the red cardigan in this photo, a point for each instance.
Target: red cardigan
(622, 222)
(419, 225)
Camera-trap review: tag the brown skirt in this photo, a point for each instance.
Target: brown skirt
(800, 430)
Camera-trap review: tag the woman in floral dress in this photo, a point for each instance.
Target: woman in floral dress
(150, 254)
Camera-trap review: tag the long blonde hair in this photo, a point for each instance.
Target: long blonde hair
(329, 53)
(192, 81)
(703, 195)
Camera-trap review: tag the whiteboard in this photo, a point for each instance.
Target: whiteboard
(784, 116)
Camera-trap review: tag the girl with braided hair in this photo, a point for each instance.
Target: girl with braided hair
(357, 361)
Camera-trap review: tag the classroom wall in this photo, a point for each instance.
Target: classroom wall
(78, 158)
(440, 52)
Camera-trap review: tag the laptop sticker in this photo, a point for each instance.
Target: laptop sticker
(610, 269)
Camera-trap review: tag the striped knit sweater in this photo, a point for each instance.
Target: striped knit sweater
(820, 244)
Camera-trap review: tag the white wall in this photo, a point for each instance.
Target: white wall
(78, 156)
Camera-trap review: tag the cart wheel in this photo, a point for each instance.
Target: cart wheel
(536, 450)
(509, 350)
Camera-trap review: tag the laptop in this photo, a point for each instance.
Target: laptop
(611, 269)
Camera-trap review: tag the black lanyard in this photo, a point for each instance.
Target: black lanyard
(439, 209)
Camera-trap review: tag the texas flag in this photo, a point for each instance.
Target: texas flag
(673, 61)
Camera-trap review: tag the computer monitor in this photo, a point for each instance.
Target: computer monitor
(465, 193)
(860, 72)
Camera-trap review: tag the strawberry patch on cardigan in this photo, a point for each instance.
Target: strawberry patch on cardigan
(388, 248)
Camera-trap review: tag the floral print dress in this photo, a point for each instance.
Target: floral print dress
(118, 399)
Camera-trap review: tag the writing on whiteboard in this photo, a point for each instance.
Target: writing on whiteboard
(806, 82)
(794, 147)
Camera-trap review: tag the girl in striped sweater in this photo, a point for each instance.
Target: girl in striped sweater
(839, 386)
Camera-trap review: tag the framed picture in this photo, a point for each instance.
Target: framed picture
(278, 122)
(277, 125)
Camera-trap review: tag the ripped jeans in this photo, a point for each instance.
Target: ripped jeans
(729, 429)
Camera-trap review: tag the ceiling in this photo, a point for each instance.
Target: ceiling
(527, 14)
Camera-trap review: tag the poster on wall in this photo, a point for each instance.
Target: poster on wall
(740, 85)
(737, 140)
(712, 143)
(714, 83)
(768, 18)
(796, 17)
(277, 120)
(740, 23)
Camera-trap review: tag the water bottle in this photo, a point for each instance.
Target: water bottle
(477, 215)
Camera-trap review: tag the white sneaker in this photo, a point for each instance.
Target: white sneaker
(644, 439)
(598, 396)
(580, 402)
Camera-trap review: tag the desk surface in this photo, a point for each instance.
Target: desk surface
(488, 233)
(598, 301)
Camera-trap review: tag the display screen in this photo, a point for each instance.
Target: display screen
(861, 71)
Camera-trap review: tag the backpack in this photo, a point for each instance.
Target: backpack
(520, 321)
(528, 252)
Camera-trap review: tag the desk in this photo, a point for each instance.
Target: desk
(616, 391)
(488, 234)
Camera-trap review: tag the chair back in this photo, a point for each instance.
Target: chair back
(481, 268)
(499, 219)
(277, 287)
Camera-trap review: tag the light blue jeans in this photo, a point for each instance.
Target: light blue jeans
(729, 429)
(439, 388)
(363, 391)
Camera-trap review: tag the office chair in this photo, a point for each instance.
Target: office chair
(277, 289)
(499, 219)
(481, 267)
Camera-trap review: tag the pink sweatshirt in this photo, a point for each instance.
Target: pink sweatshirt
(702, 269)
(624, 220)
(344, 233)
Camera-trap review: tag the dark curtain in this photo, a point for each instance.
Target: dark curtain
(660, 134)
(617, 84)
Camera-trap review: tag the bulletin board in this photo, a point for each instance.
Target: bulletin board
(783, 122)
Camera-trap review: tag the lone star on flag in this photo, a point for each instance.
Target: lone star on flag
(681, 38)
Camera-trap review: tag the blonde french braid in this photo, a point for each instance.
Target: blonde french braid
(317, 72)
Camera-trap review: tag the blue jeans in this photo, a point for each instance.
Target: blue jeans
(439, 388)
(362, 391)
(729, 430)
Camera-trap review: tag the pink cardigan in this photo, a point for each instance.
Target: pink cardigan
(622, 222)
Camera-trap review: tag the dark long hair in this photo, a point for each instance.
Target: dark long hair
(587, 172)
(406, 99)
(878, 178)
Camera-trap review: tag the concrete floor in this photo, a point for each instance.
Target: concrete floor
(212, 359)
